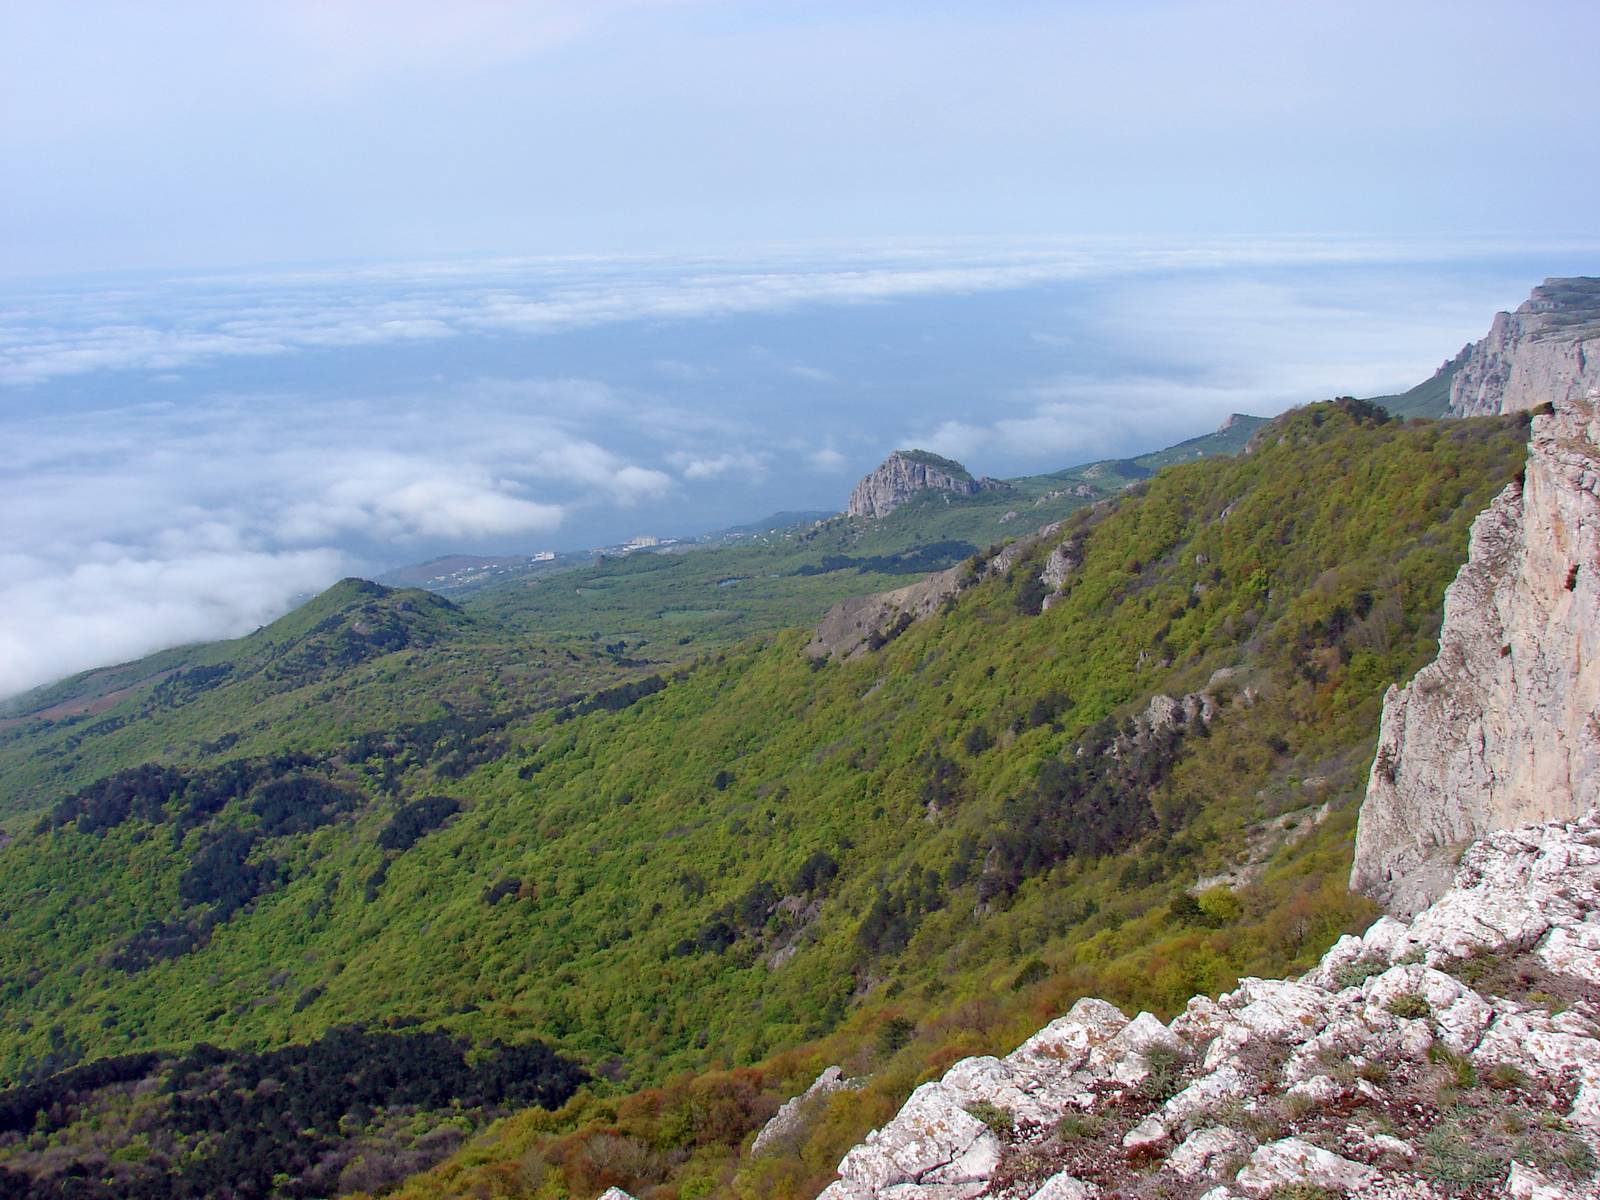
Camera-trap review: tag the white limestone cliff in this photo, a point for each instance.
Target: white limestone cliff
(1548, 350)
(1504, 726)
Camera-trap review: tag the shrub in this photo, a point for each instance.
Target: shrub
(1354, 974)
(1001, 1120)
(1166, 1074)
(1077, 1126)
(1219, 906)
(1506, 1077)
(1032, 972)
(894, 1034)
(1410, 1006)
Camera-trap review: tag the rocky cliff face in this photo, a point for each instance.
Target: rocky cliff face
(1504, 727)
(905, 473)
(1548, 350)
(1455, 1055)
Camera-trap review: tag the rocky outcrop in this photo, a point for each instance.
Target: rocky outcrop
(1504, 726)
(864, 623)
(1464, 1045)
(903, 475)
(853, 627)
(1548, 350)
(794, 1117)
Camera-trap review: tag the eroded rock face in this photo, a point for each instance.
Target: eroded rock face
(905, 473)
(863, 623)
(1329, 1081)
(1503, 727)
(1546, 351)
(853, 627)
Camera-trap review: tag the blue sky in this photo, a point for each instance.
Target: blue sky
(198, 134)
(316, 287)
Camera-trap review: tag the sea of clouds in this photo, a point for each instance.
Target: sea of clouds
(185, 456)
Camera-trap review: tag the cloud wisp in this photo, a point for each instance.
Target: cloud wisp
(1201, 350)
(136, 528)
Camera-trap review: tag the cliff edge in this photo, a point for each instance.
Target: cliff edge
(1504, 726)
(1548, 350)
(1454, 1055)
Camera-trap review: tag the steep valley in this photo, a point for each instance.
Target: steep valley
(750, 860)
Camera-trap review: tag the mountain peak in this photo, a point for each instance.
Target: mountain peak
(1549, 349)
(905, 473)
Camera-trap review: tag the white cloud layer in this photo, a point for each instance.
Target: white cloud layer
(185, 456)
(53, 333)
(1207, 348)
(64, 617)
(141, 527)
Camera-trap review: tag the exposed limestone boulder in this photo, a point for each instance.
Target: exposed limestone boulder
(1342, 1066)
(1503, 728)
(1207, 1150)
(1459, 1013)
(1060, 564)
(1065, 1187)
(904, 474)
(1059, 567)
(1548, 350)
(851, 627)
(1290, 1161)
(1525, 1183)
(1146, 1135)
(933, 1140)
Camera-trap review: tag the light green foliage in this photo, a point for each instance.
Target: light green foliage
(1219, 905)
(652, 909)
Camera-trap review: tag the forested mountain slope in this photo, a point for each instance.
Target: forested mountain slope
(722, 861)
(358, 661)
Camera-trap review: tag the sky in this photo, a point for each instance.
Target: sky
(298, 289)
(199, 134)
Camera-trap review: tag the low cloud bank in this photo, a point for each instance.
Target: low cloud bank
(177, 322)
(63, 618)
(202, 502)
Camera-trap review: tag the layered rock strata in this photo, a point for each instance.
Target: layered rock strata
(1361, 1078)
(1549, 349)
(1504, 726)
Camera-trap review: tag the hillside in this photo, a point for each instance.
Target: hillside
(693, 599)
(357, 661)
(759, 852)
(532, 630)
(1452, 1052)
(1431, 397)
